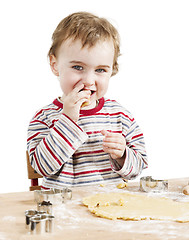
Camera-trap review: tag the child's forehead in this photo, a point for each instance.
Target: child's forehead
(102, 52)
(77, 43)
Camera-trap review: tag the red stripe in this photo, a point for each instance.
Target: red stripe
(94, 132)
(32, 150)
(53, 122)
(86, 172)
(33, 136)
(136, 136)
(52, 153)
(45, 109)
(38, 121)
(109, 100)
(65, 139)
(129, 172)
(91, 152)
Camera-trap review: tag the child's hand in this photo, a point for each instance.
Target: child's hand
(73, 101)
(114, 144)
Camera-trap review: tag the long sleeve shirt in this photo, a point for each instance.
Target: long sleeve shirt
(67, 153)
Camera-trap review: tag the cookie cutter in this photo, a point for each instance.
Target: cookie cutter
(148, 184)
(29, 214)
(45, 199)
(41, 223)
(45, 206)
(67, 194)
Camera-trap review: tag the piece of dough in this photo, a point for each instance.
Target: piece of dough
(85, 104)
(122, 185)
(136, 207)
(151, 184)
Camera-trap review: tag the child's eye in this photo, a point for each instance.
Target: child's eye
(100, 70)
(77, 67)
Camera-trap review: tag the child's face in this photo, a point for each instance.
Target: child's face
(91, 67)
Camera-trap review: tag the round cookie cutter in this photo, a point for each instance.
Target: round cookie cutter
(148, 184)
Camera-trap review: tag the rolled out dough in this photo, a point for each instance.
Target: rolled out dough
(129, 206)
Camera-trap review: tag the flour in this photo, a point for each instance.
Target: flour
(72, 214)
(2, 236)
(9, 219)
(176, 196)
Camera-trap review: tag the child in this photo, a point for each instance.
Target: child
(82, 138)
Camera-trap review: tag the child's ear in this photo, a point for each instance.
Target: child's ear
(53, 64)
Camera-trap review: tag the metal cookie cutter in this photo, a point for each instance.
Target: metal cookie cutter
(148, 184)
(67, 194)
(41, 223)
(29, 214)
(45, 206)
(47, 198)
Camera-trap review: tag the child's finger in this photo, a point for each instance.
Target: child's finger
(114, 139)
(83, 100)
(113, 152)
(113, 145)
(78, 87)
(104, 132)
(111, 135)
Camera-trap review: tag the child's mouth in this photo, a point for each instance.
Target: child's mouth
(91, 94)
(92, 91)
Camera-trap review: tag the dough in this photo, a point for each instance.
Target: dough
(122, 185)
(85, 104)
(129, 206)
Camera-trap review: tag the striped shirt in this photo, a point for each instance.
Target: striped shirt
(71, 154)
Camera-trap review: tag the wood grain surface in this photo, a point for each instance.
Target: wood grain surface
(74, 221)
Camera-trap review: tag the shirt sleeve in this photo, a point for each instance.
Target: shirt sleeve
(135, 154)
(50, 147)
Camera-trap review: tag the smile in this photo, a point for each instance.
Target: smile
(92, 91)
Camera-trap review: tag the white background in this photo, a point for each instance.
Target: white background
(152, 82)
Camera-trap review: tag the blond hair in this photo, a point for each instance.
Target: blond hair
(89, 29)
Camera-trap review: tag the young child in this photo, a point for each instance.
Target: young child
(82, 138)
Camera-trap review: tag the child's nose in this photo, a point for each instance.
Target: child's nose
(88, 79)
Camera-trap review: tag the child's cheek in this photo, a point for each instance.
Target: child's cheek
(67, 84)
(103, 87)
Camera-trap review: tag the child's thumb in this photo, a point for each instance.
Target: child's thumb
(104, 132)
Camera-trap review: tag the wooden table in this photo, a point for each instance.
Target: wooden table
(74, 221)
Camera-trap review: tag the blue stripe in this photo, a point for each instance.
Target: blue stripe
(124, 124)
(92, 142)
(136, 139)
(86, 162)
(41, 165)
(56, 144)
(69, 130)
(83, 182)
(92, 156)
(38, 129)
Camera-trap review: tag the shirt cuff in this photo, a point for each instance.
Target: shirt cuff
(124, 170)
